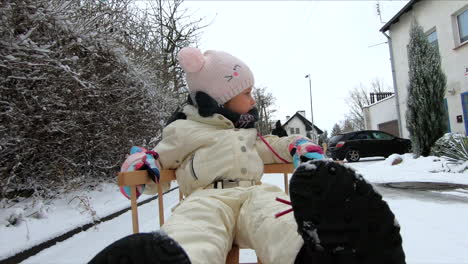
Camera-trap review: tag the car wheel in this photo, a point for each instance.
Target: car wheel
(353, 155)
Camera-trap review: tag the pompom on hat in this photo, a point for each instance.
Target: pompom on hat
(217, 73)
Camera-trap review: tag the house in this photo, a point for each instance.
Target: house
(446, 26)
(381, 114)
(301, 126)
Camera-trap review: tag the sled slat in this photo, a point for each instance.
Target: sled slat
(278, 168)
(134, 204)
(131, 178)
(161, 205)
(286, 183)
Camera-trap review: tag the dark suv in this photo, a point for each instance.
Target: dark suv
(366, 143)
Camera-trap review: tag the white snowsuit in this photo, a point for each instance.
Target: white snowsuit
(209, 220)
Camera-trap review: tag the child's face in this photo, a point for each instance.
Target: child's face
(241, 103)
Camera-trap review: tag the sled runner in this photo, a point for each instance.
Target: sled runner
(135, 178)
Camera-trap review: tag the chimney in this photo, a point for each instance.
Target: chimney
(287, 117)
(302, 112)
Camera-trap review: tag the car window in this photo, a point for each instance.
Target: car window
(335, 139)
(381, 135)
(362, 136)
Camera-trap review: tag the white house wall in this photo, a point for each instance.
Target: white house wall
(438, 15)
(296, 123)
(381, 112)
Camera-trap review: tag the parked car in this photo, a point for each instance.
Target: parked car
(366, 143)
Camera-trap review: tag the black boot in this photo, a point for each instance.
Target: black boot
(141, 248)
(341, 218)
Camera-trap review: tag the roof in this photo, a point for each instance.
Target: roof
(306, 122)
(396, 18)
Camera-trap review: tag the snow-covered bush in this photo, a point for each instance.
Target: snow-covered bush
(452, 146)
(15, 217)
(77, 91)
(22, 212)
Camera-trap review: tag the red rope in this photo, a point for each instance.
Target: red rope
(285, 161)
(272, 150)
(283, 201)
(285, 211)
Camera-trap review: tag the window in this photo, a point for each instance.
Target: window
(335, 139)
(464, 99)
(381, 135)
(291, 130)
(462, 22)
(433, 40)
(362, 136)
(297, 131)
(448, 116)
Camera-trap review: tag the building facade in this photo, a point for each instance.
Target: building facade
(446, 26)
(301, 126)
(382, 115)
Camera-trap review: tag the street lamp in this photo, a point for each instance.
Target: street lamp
(311, 109)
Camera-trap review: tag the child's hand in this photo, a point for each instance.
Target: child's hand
(303, 149)
(140, 159)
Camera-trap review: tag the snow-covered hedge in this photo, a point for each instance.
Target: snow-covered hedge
(452, 146)
(74, 99)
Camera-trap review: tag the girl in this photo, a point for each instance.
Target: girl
(218, 157)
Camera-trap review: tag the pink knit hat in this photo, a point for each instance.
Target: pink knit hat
(217, 73)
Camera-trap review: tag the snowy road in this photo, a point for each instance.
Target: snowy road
(433, 224)
(450, 196)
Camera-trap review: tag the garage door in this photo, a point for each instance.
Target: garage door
(390, 127)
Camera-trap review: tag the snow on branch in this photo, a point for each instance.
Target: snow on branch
(81, 82)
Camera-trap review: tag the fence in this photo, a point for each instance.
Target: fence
(375, 97)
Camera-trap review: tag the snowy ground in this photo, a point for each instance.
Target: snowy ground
(434, 224)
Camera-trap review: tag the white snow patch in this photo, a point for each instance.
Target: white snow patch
(389, 161)
(309, 165)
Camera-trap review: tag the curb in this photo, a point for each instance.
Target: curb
(424, 186)
(17, 258)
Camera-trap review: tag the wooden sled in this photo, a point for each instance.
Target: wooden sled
(135, 178)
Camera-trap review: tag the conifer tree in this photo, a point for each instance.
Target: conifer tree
(323, 138)
(426, 118)
(335, 130)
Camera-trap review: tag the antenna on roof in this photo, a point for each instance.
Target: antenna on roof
(377, 44)
(379, 12)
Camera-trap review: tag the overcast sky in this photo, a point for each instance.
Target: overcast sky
(283, 41)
